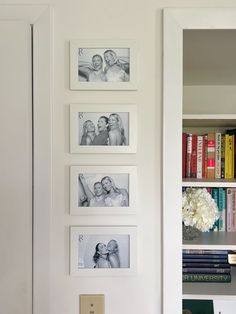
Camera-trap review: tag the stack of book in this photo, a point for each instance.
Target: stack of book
(206, 266)
(209, 156)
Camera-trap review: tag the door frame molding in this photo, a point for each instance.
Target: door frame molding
(175, 21)
(41, 19)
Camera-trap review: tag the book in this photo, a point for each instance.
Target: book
(184, 154)
(198, 307)
(232, 257)
(211, 155)
(195, 251)
(229, 210)
(194, 157)
(205, 260)
(200, 157)
(206, 270)
(233, 132)
(204, 169)
(222, 156)
(210, 265)
(222, 209)
(206, 277)
(233, 209)
(218, 156)
(229, 156)
(205, 256)
(189, 156)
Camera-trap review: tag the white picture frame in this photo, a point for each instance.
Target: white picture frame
(117, 256)
(125, 116)
(103, 64)
(89, 194)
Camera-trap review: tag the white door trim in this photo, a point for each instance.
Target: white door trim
(40, 17)
(175, 22)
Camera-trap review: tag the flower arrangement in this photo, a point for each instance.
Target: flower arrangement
(199, 209)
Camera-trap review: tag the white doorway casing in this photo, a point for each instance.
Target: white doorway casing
(37, 294)
(175, 22)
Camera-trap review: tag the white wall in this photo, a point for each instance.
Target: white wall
(108, 19)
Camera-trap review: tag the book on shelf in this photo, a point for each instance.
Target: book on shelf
(197, 307)
(205, 260)
(206, 251)
(191, 277)
(206, 265)
(189, 156)
(207, 270)
(232, 257)
(194, 157)
(218, 156)
(200, 156)
(205, 256)
(184, 154)
(222, 156)
(222, 209)
(211, 155)
(233, 132)
(229, 156)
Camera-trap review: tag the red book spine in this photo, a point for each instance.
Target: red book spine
(184, 154)
(189, 154)
(194, 157)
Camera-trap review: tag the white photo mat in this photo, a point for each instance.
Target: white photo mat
(83, 243)
(79, 113)
(99, 47)
(124, 178)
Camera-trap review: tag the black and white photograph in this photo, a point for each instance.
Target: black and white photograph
(101, 191)
(103, 249)
(102, 65)
(103, 128)
(102, 131)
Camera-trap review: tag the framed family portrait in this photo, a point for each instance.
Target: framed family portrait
(103, 250)
(103, 65)
(96, 190)
(97, 128)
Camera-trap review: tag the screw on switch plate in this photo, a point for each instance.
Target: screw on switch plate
(92, 304)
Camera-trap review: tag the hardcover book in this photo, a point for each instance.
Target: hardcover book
(211, 155)
(198, 307)
(206, 277)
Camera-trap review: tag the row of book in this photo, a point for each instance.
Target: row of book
(208, 265)
(209, 156)
(225, 199)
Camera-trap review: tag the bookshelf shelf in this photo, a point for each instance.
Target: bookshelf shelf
(188, 182)
(199, 290)
(213, 240)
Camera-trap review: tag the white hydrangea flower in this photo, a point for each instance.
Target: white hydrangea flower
(199, 209)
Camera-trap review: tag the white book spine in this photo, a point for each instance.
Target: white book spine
(199, 156)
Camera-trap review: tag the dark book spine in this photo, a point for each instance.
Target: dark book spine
(202, 265)
(202, 256)
(205, 260)
(204, 270)
(201, 252)
(206, 277)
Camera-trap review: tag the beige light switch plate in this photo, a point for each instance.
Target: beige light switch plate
(92, 304)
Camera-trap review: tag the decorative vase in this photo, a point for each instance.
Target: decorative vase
(190, 233)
